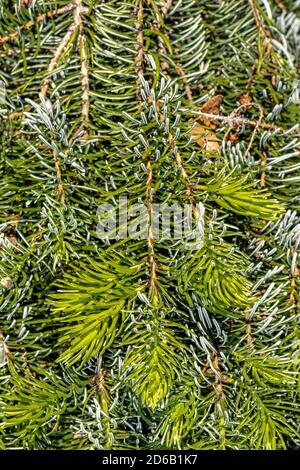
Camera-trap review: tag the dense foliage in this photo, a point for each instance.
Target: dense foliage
(142, 343)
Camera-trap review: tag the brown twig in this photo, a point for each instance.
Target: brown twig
(172, 143)
(150, 236)
(218, 377)
(182, 170)
(85, 97)
(139, 46)
(179, 68)
(161, 46)
(50, 14)
(280, 5)
(267, 38)
(265, 33)
(99, 380)
(249, 337)
(60, 186)
(188, 91)
(162, 49)
(57, 55)
(234, 121)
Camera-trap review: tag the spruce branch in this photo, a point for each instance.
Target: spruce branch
(136, 341)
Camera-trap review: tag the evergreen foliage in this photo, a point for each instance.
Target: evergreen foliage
(142, 343)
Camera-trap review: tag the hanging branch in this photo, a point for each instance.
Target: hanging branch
(185, 177)
(79, 10)
(171, 141)
(139, 303)
(268, 40)
(139, 58)
(182, 170)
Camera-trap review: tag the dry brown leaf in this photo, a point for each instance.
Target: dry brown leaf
(206, 139)
(205, 136)
(212, 105)
(232, 137)
(245, 100)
